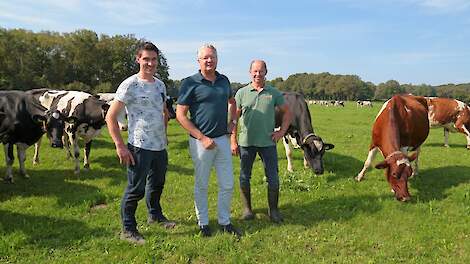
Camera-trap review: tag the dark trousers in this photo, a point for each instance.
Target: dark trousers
(145, 177)
(268, 156)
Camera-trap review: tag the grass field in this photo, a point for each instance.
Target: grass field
(55, 217)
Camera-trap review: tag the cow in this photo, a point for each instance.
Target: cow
(401, 125)
(85, 116)
(451, 114)
(363, 103)
(109, 97)
(121, 118)
(23, 121)
(339, 103)
(301, 130)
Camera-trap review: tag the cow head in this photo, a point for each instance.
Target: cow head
(55, 123)
(169, 105)
(314, 148)
(397, 171)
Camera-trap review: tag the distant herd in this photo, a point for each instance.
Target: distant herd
(402, 125)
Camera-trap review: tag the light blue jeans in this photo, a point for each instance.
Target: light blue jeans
(219, 157)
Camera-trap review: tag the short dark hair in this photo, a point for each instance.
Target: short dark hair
(146, 46)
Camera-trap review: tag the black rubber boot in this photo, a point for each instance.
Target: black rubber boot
(245, 194)
(273, 198)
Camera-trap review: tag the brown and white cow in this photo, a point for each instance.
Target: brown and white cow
(401, 125)
(453, 115)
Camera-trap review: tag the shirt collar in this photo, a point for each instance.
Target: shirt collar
(198, 76)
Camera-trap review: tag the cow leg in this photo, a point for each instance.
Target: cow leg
(446, 137)
(367, 163)
(9, 158)
(305, 163)
(37, 145)
(285, 141)
(467, 135)
(416, 167)
(66, 143)
(21, 150)
(73, 139)
(86, 163)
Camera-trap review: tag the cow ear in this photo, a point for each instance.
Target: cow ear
(329, 146)
(382, 165)
(105, 107)
(413, 156)
(39, 118)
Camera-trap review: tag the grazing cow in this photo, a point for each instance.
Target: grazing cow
(453, 115)
(301, 130)
(339, 103)
(401, 125)
(23, 121)
(363, 103)
(85, 115)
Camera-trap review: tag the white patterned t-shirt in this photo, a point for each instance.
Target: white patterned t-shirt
(144, 103)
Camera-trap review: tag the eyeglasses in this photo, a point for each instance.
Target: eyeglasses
(208, 58)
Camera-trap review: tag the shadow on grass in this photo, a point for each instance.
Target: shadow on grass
(52, 183)
(341, 166)
(432, 184)
(332, 209)
(441, 145)
(48, 232)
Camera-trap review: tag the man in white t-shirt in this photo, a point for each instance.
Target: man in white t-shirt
(145, 154)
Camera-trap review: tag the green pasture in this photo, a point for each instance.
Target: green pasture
(57, 217)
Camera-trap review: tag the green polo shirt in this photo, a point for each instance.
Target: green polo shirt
(257, 118)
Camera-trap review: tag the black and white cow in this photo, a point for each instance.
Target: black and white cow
(85, 116)
(301, 133)
(121, 118)
(109, 97)
(23, 121)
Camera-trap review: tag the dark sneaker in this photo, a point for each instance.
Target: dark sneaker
(205, 231)
(168, 224)
(133, 237)
(231, 230)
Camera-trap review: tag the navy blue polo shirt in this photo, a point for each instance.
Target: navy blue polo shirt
(207, 101)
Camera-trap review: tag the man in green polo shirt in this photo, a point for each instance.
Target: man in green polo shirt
(256, 105)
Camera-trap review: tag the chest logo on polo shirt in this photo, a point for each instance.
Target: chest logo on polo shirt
(267, 97)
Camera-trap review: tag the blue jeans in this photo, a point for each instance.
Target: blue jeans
(145, 177)
(269, 158)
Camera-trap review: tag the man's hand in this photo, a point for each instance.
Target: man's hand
(234, 148)
(276, 135)
(207, 142)
(125, 156)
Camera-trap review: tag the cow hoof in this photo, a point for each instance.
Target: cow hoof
(445, 145)
(86, 166)
(36, 162)
(468, 147)
(358, 178)
(26, 176)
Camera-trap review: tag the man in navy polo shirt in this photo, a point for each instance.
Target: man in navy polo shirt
(205, 95)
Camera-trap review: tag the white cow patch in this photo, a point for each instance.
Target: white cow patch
(383, 108)
(403, 161)
(318, 144)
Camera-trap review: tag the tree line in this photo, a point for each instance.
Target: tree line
(83, 60)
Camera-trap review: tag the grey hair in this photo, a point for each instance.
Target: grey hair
(262, 61)
(206, 46)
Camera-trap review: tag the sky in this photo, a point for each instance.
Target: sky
(410, 41)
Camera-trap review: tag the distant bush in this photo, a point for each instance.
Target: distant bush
(105, 87)
(78, 86)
